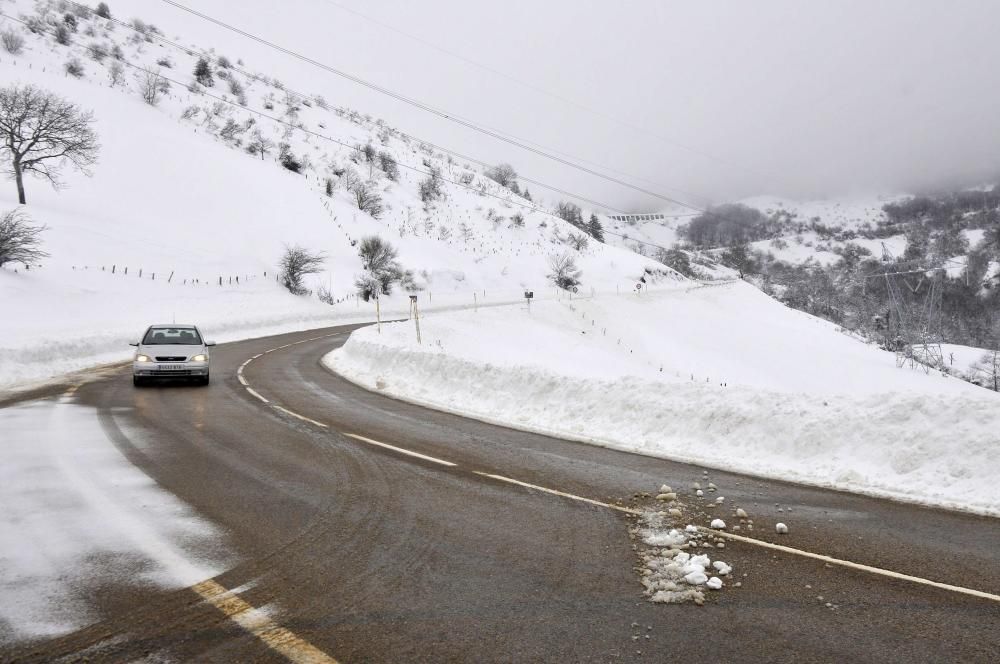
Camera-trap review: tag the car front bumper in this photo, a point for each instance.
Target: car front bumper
(169, 369)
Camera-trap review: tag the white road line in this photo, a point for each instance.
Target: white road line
(257, 394)
(301, 417)
(398, 449)
(554, 492)
(851, 565)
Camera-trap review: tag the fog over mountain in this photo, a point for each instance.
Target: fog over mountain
(705, 101)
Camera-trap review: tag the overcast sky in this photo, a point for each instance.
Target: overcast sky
(702, 101)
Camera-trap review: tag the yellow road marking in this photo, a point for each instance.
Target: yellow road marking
(283, 641)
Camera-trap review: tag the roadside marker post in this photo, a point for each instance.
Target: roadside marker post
(415, 315)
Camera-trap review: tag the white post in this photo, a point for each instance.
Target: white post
(378, 314)
(415, 312)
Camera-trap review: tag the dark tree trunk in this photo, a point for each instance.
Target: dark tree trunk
(19, 177)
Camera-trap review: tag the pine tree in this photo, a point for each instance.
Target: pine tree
(203, 73)
(526, 195)
(595, 229)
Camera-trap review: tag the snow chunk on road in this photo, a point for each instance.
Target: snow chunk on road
(722, 568)
(695, 578)
(715, 583)
(781, 528)
(718, 524)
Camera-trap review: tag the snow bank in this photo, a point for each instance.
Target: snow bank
(719, 376)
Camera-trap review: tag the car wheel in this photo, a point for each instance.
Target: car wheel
(204, 380)
(138, 382)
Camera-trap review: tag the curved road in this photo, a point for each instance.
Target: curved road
(369, 554)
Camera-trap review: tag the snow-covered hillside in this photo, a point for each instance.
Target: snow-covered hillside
(721, 375)
(176, 194)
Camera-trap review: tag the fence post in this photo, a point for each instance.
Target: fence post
(170, 278)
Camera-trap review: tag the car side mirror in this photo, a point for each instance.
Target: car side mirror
(133, 343)
(209, 343)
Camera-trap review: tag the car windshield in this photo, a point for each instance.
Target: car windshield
(172, 336)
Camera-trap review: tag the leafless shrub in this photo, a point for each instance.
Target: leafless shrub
(19, 239)
(97, 51)
(151, 86)
(368, 199)
(295, 264)
(12, 41)
(74, 68)
(564, 272)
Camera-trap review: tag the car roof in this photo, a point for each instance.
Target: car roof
(175, 326)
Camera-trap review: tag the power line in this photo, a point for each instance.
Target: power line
(427, 108)
(540, 90)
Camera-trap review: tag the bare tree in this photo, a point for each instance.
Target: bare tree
(388, 165)
(430, 188)
(19, 238)
(504, 175)
(40, 132)
(295, 264)
(151, 86)
(368, 199)
(259, 144)
(564, 272)
(988, 365)
(381, 268)
(578, 241)
(116, 74)
(12, 42)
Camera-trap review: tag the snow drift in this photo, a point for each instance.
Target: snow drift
(722, 376)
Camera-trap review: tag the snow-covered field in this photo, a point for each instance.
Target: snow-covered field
(721, 375)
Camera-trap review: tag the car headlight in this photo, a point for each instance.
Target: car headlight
(142, 358)
(199, 358)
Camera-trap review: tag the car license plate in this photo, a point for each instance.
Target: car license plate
(171, 367)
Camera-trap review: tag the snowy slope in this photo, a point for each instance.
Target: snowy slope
(720, 375)
(171, 195)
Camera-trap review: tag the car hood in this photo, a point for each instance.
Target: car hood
(179, 350)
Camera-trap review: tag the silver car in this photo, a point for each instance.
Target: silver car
(171, 351)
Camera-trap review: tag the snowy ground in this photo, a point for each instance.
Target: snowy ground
(721, 375)
(77, 513)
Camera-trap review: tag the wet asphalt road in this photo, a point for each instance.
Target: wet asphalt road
(375, 556)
